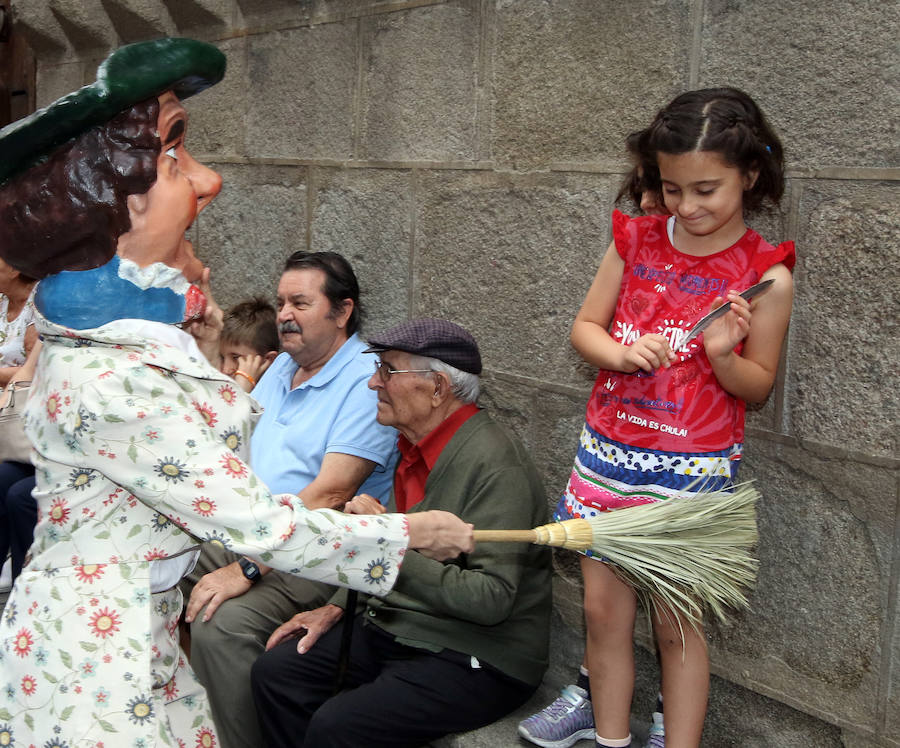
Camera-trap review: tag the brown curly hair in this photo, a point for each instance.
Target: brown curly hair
(68, 212)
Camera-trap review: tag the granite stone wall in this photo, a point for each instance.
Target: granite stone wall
(464, 154)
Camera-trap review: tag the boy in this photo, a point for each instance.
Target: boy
(249, 341)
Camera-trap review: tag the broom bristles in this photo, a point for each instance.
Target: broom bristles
(681, 556)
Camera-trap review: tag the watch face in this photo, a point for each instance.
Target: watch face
(251, 570)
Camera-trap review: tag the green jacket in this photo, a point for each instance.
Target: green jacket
(493, 603)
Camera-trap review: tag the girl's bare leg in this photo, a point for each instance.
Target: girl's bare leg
(609, 608)
(685, 681)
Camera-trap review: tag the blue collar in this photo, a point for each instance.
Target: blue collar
(84, 299)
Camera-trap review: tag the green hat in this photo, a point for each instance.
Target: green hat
(131, 74)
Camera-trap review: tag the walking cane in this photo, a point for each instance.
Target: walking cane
(346, 636)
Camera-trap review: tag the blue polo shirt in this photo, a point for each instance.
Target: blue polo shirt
(333, 411)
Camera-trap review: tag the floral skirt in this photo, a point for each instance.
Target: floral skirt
(609, 475)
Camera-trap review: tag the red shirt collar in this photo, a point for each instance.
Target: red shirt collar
(417, 460)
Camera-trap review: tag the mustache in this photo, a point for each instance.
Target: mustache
(289, 327)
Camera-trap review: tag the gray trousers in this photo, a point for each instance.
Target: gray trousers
(224, 648)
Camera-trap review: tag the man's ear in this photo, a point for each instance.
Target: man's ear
(346, 311)
(271, 356)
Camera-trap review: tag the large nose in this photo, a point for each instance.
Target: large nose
(375, 381)
(206, 182)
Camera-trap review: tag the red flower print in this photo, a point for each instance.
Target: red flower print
(290, 532)
(89, 572)
(171, 689)
(59, 512)
(153, 554)
(204, 507)
(209, 415)
(54, 407)
(233, 466)
(227, 394)
(29, 685)
(23, 642)
(199, 483)
(105, 374)
(105, 623)
(205, 738)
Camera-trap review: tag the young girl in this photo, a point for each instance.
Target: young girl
(662, 414)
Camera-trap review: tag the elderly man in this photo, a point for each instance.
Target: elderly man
(455, 645)
(317, 436)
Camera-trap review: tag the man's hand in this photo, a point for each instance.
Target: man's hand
(314, 622)
(208, 328)
(364, 504)
(215, 588)
(439, 535)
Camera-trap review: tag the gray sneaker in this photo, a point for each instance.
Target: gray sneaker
(566, 721)
(657, 738)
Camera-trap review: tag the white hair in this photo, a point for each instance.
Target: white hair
(464, 385)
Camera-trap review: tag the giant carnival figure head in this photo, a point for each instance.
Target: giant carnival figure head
(97, 190)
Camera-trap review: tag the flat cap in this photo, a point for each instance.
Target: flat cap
(130, 75)
(435, 338)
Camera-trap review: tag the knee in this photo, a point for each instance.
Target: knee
(268, 674)
(675, 635)
(603, 614)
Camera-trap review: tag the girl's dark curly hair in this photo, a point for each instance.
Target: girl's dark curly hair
(718, 120)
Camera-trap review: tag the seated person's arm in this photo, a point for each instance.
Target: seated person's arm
(338, 481)
(12, 373)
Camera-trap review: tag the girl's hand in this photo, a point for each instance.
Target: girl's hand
(723, 335)
(649, 352)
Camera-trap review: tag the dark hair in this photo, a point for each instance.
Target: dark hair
(68, 212)
(634, 184)
(717, 120)
(340, 281)
(252, 323)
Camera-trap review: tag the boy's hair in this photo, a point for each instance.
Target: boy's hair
(716, 120)
(252, 323)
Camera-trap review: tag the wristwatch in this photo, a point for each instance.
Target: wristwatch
(250, 569)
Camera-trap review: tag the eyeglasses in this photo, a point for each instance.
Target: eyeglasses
(386, 372)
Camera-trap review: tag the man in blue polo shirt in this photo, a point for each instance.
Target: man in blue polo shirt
(317, 437)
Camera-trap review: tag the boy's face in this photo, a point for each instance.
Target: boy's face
(231, 352)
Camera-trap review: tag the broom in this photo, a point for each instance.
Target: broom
(681, 555)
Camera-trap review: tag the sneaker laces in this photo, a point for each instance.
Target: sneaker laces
(563, 704)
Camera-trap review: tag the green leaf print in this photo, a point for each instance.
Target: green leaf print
(107, 726)
(29, 720)
(50, 678)
(66, 658)
(112, 418)
(313, 563)
(67, 712)
(88, 646)
(136, 530)
(93, 364)
(236, 534)
(4, 714)
(54, 593)
(135, 645)
(132, 453)
(127, 385)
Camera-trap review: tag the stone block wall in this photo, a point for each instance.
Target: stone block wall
(465, 154)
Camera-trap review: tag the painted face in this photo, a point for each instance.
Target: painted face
(307, 328)
(404, 400)
(231, 352)
(705, 194)
(183, 187)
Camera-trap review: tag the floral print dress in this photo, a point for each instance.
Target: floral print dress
(141, 450)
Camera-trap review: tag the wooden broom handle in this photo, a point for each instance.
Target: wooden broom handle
(505, 536)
